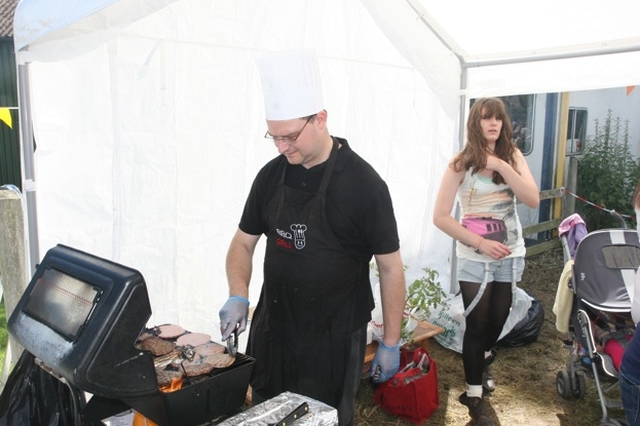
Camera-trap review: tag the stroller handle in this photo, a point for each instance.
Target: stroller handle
(623, 223)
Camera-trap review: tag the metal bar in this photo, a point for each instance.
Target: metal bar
(28, 168)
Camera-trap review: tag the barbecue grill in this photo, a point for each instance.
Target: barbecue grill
(81, 316)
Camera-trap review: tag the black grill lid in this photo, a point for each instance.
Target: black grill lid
(81, 315)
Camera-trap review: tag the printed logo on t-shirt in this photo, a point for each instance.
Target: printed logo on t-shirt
(488, 227)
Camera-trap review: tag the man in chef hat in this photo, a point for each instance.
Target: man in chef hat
(325, 213)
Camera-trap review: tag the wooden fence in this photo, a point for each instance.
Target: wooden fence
(550, 225)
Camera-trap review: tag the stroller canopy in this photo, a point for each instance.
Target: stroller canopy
(604, 269)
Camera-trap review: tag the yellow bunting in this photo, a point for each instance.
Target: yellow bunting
(5, 116)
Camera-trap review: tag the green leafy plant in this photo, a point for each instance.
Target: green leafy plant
(423, 295)
(607, 174)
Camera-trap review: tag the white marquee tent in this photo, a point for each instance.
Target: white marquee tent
(148, 116)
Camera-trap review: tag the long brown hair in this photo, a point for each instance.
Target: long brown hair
(474, 154)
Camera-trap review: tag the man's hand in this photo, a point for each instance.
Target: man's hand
(235, 312)
(386, 363)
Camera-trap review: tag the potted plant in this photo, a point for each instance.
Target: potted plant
(423, 295)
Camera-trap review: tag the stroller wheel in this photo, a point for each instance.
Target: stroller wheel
(563, 384)
(581, 387)
(564, 388)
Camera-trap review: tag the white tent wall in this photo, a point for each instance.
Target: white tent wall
(149, 135)
(148, 115)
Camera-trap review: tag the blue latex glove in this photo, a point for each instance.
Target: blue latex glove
(235, 312)
(386, 363)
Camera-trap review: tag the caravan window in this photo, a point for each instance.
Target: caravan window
(576, 130)
(520, 109)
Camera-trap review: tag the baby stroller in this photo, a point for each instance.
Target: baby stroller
(599, 324)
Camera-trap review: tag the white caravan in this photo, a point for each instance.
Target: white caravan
(537, 121)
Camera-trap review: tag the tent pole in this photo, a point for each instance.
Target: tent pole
(454, 287)
(28, 169)
(525, 59)
(437, 31)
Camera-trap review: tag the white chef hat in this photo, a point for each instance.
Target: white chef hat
(291, 84)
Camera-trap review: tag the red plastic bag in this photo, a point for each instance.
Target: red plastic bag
(412, 393)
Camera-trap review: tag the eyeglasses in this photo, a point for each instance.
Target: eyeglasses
(289, 138)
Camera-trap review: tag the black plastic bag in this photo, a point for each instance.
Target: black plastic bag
(527, 330)
(33, 397)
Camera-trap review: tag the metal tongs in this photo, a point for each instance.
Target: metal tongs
(423, 364)
(232, 343)
(294, 415)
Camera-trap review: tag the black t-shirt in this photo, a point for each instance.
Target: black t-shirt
(359, 207)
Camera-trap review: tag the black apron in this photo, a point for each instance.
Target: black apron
(301, 328)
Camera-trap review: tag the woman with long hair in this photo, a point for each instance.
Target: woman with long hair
(485, 178)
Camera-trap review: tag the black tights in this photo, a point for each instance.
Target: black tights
(483, 325)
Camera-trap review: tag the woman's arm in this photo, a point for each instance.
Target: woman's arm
(521, 182)
(442, 217)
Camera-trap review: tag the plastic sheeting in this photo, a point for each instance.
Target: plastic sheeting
(32, 396)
